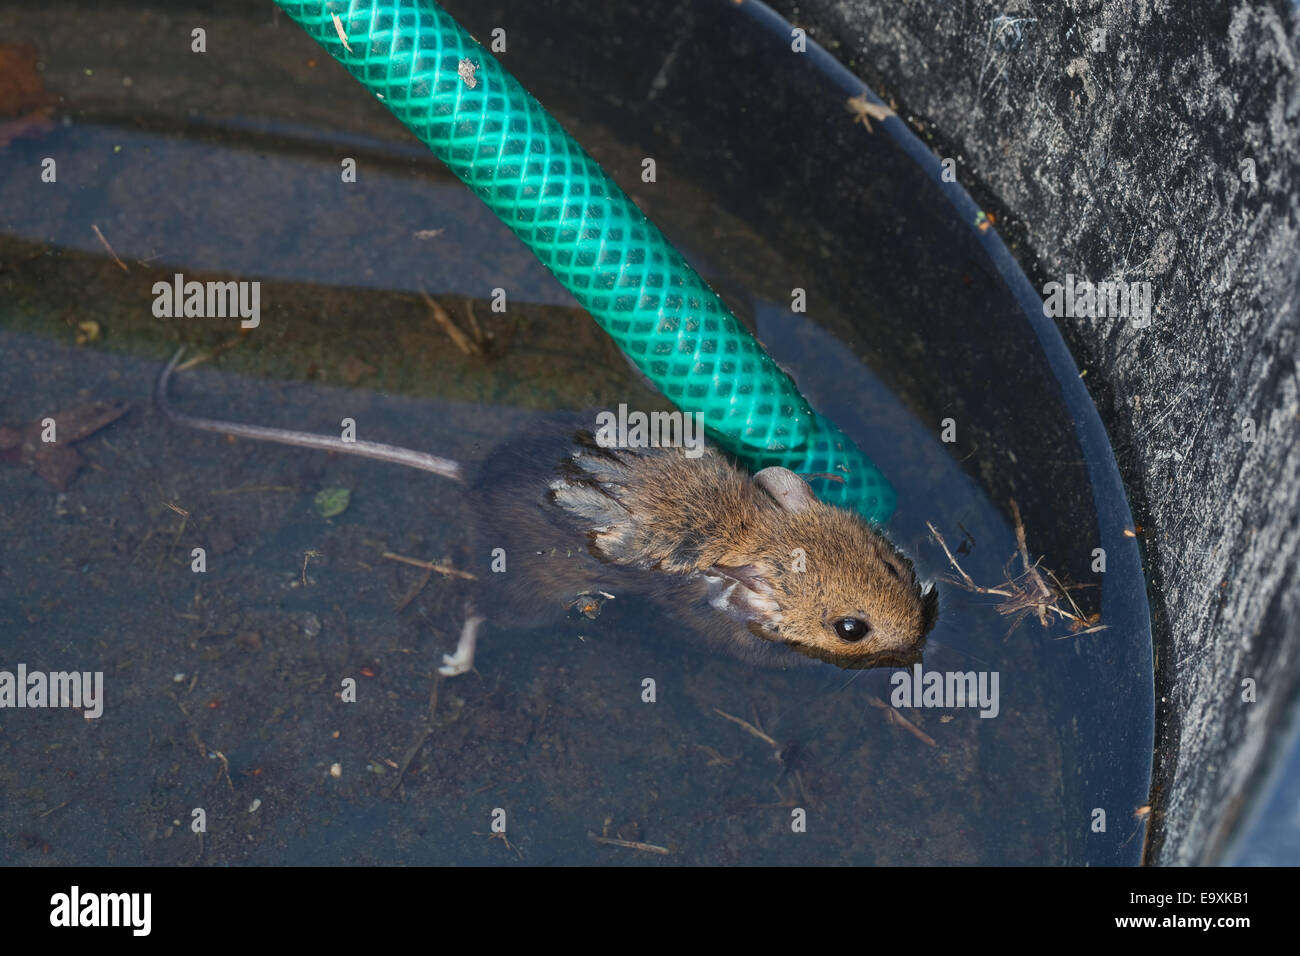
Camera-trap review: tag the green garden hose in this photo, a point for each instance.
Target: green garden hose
(477, 118)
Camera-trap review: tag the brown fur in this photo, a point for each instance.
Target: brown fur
(576, 518)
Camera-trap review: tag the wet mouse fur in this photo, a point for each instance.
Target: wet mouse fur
(755, 564)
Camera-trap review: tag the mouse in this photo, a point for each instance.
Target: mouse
(755, 565)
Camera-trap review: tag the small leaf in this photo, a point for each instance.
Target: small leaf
(332, 502)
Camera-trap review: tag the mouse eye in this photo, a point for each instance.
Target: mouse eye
(851, 629)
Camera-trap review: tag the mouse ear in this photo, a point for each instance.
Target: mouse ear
(790, 491)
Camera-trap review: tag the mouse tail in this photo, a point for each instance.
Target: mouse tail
(393, 454)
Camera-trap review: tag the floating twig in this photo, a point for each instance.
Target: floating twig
(441, 316)
(42, 816)
(894, 717)
(430, 566)
(414, 592)
(120, 264)
(630, 844)
(306, 557)
(200, 357)
(250, 490)
(416, 745)
(1032, 590)
(749, 727)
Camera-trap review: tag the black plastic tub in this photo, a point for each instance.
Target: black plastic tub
(920, 328)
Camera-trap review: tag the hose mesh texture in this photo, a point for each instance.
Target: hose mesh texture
(494, 135)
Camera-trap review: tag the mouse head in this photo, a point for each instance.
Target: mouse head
(824, 583)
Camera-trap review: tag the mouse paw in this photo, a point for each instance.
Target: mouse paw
(463, 659)
(591, 503)
(594, 490)
(616, 534)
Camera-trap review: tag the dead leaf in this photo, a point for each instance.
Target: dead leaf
(58, 465)
(58, 462)
(26, 106)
